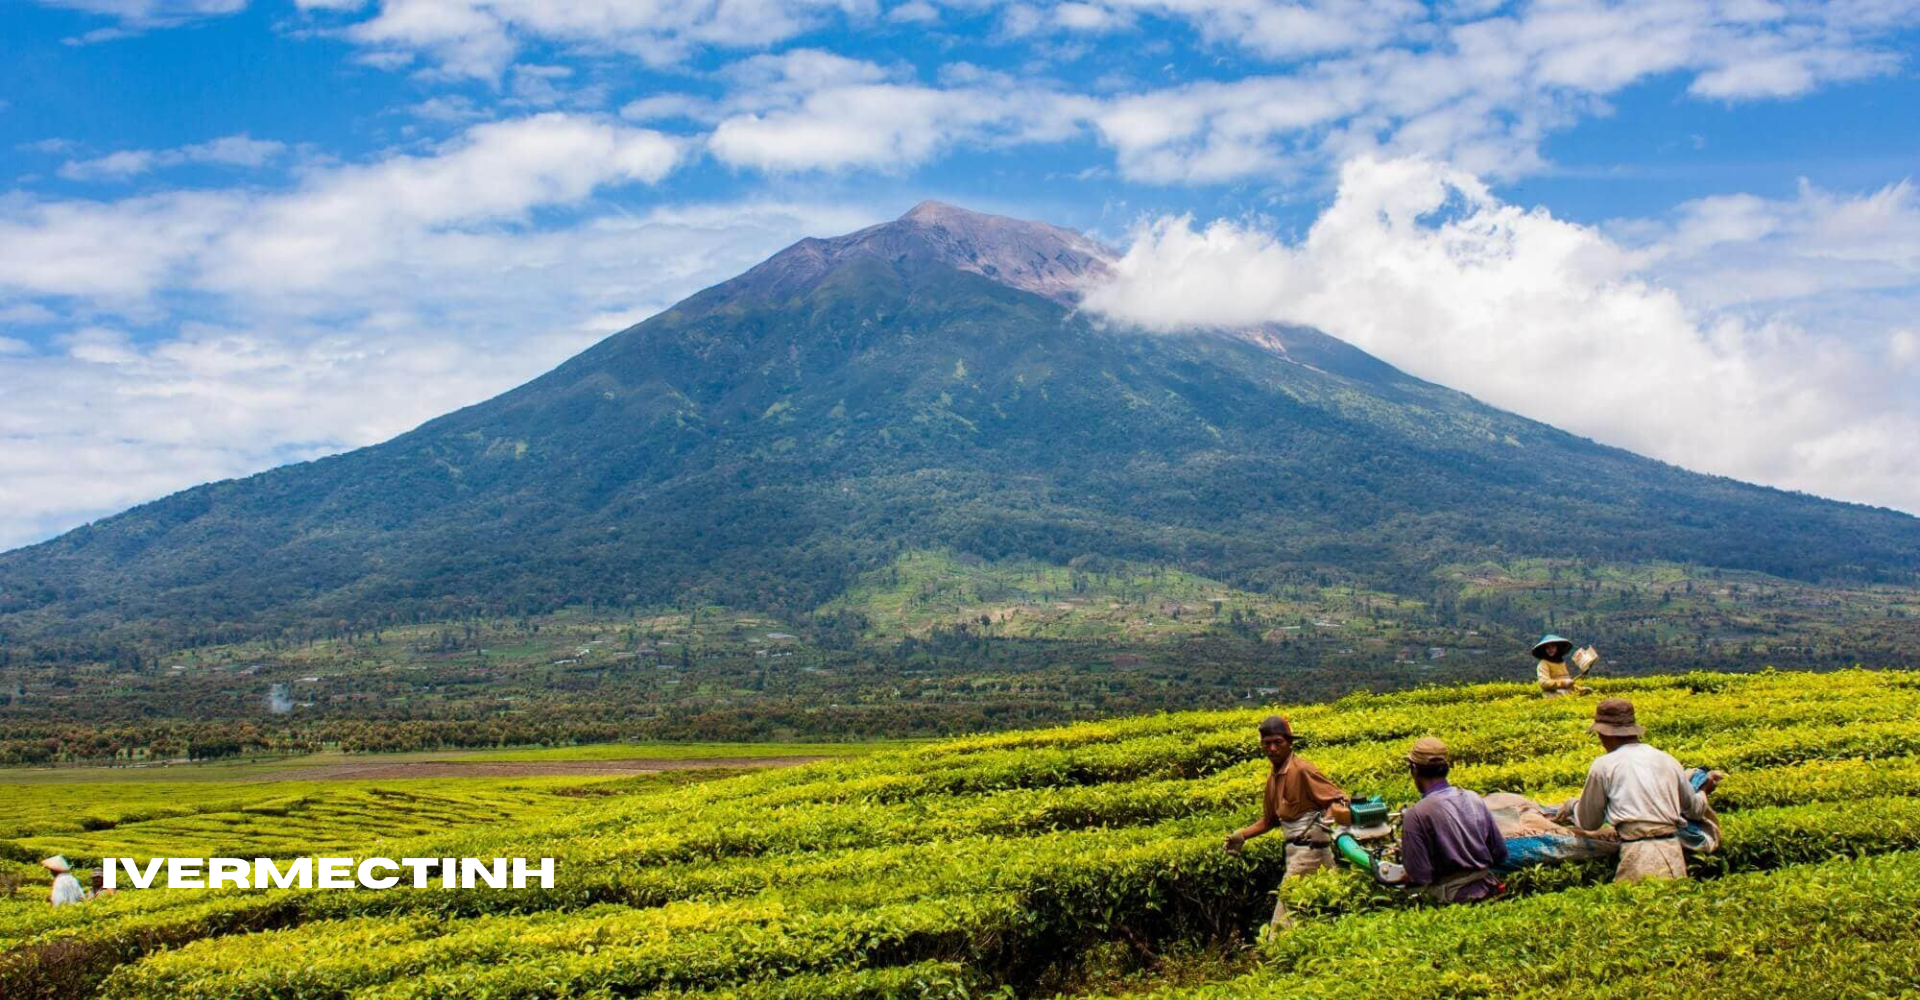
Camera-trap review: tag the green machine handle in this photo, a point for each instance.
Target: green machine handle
(1359, 857)
(1371, 820)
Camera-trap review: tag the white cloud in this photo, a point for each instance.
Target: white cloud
(351, 223)
(342, 225)
(119, 165)
(809, 110)
(1018, 20)
(137, 15)
(541, 85)
(1479, 90)
(101, 35)
(109, 424)
(1903, 349)
(1301, 84)
(1420, 265)
(116, 253)
(879, 126)
(98, 428)
(553, 86)
(99, 346)
(389, 60)
(234, 150)
(797, 72)
(666, 107)
(1817, 251)
(479, 38)
(1268, 28)
(454, 108)
(231, 151)
(26, 313)
(1769, 70)
(1090, 18)
(359, 304)
(914, 12)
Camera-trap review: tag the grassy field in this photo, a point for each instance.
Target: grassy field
(278, 819)
(304, 805)
(672, 751)
(1085, 861)
(293, 767)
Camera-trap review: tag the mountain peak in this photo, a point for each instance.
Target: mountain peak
(931, 211)
(1036, 257)
(940, 213)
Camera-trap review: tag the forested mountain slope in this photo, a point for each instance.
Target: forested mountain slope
(924, 384)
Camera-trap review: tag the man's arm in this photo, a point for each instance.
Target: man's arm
(1693, 804)
(1260, 826)
(1591, 811)
(1415, 851)
(1266, 822)
(1326, 795)
(1490, 831)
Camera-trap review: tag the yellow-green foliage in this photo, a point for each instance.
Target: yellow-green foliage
(745, 753)
(1844, 928)
(966, 867)
(90, 820)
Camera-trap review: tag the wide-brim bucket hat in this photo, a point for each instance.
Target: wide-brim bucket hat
(1614, 717)
(1551, 647)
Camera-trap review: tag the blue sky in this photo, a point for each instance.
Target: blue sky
(235, 234)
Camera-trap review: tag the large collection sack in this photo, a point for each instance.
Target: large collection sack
(1534, 838)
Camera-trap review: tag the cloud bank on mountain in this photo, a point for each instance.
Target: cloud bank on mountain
(1718, 366)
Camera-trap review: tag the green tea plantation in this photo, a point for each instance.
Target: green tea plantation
(1087, 861)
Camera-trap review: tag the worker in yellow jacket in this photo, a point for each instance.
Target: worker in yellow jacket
(1560, 674)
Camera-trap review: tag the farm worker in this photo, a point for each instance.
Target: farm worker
(1449, 842)
(66, 888)
(1643, 792)
(97, 886)
(1297, 800)
(1555, 677)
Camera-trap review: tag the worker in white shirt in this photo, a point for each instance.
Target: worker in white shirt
(1643, 792)
(66, 888)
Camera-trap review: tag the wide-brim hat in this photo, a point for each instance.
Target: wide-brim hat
(1614, 717)
(57, 863)
(1545, 648)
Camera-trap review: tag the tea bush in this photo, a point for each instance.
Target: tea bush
(997, 863)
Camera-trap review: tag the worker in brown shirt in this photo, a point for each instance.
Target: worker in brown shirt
(1297, 800)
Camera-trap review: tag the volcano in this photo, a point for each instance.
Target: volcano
(927, 383)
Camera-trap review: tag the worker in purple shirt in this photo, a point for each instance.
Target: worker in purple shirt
(1449, 842)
